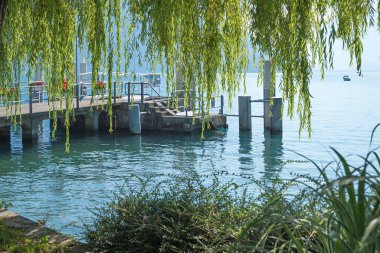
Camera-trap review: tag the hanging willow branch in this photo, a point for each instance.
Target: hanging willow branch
(206, 40)
(3, 9)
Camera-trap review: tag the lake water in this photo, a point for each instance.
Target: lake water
(43, 182)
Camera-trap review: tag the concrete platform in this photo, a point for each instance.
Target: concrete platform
(155, 115)
(35, 230)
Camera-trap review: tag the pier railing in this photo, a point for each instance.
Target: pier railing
(37, 92)
(216, 102)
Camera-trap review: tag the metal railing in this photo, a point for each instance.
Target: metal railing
(191, 102)
(38, 92)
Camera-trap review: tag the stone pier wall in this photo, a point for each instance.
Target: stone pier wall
(153, 118)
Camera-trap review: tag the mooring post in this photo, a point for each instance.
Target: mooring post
(245, 122)
(276, 119)
(266, 95)
(272, 113)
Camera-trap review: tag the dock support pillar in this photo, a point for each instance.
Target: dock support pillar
(245, 122)
(134, 119)
(32, 129)
(272, 113)
(5, 134)
(91, 120)
(60, 124)
(276, 119)
(266, 95)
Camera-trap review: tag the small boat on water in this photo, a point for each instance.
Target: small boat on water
(346, 78)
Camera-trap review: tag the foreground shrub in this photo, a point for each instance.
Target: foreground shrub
(180, 215)
(346, 215)
(336, 212)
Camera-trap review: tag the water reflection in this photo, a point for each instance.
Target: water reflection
(16, 140)
(245, 149)
(134, 143)
(272, 155)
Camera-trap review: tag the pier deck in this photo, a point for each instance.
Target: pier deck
(155, 115)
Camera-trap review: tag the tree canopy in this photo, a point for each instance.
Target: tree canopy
(208, 38)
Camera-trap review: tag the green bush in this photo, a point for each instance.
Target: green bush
(184, 215)
(14, 241)
(344, 214)
(329, 214)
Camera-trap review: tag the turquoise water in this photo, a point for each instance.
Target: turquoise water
(42, 182)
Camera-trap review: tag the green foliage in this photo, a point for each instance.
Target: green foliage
(4, 204)
(184, 215)
(339, 211)
(14, 241)
(298, 36)
(344, 216)
(168, 217)
(200, 38)
(205, 39)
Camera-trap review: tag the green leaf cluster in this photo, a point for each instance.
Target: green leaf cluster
(206, 40)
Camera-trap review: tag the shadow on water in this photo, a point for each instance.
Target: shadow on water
(272, 155)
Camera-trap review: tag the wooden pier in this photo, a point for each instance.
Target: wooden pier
(92, 115)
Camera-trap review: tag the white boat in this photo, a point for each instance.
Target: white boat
(346, 78)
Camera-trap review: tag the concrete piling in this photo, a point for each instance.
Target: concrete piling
(266, 95)
(91, 120)
(276, 119)
(272, 113)
(32, 129)
(134, 119)
(245, 122)
(5, 134)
